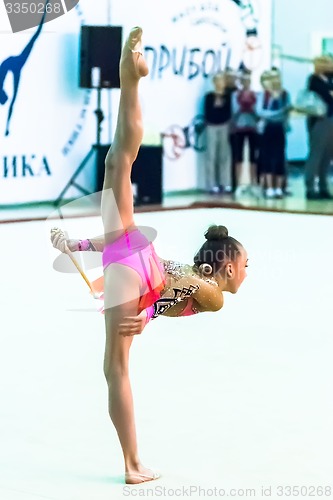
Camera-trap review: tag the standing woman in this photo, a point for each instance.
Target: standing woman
(273, 107)
(320, 130)
(217, 113)
(244, 124)
(138, 285)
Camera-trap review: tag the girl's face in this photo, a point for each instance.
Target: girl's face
(240, 271)
(235, 272)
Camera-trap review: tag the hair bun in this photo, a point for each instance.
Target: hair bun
(216, 233)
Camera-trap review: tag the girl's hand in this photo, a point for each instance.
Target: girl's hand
(60, 241)
(133, 325)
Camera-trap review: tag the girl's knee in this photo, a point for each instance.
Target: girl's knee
(116, 161)
(114, 372)
(111, 160)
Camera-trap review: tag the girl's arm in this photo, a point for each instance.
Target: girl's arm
(60, 241)
(208, 295)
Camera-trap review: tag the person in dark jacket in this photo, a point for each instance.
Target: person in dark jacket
(320, 131)
(273, 107)
(217, 113)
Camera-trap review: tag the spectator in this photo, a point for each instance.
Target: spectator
(266, 83)
(232, 85)
(244, 125)
(273, 106)
(275, 73)
(217, 113)
(320, 131)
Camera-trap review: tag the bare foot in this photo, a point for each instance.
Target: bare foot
(132, 62)
(140, 475)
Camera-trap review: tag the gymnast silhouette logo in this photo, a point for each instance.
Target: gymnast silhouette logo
(15, 64)
(19, 18)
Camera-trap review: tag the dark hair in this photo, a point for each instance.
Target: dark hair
(219, 248)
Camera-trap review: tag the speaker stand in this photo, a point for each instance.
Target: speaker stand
(92, 153)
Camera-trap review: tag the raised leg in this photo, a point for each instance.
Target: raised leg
(117, 196)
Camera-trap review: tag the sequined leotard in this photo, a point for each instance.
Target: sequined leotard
(177, 271)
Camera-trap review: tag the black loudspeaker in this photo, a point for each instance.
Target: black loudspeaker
(146, 174)
(100, 48)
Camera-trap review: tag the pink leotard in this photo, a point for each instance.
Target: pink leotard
(133, 250)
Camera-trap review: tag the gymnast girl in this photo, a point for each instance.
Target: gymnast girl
(138, 285)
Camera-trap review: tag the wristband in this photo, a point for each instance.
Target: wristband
(84, 245)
